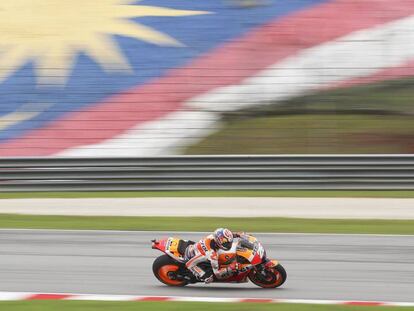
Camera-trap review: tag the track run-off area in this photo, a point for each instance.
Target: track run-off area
(319, 266)
(316, 208)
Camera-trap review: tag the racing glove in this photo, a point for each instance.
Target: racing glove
(239, 234)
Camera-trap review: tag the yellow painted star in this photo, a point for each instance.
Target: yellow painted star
(51, 33)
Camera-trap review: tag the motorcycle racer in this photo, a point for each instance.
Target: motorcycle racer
(239, 258)
(206, 250)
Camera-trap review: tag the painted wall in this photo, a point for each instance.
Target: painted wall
(116, 77)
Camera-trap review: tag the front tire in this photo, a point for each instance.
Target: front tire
(165, 269)
(275, 277)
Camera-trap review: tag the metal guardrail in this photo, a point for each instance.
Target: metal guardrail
(208, 173)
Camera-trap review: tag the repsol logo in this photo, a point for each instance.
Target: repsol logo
(203, 246)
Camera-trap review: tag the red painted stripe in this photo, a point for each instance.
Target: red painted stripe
(48, 297)
(154, 298)
(363, 303)
(257, 300)
(224, 66)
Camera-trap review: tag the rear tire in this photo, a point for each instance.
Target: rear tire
(164, 269)
(277, 276)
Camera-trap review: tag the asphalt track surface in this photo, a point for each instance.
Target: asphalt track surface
(343, 267)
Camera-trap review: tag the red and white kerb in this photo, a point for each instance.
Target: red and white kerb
(15, 296)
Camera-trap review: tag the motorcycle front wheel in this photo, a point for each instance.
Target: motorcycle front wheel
(166, 269)
(271, 278)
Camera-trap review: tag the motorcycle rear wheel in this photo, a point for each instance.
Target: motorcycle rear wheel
(165, 269)
(276, 277)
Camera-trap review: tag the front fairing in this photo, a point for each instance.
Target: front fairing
(250, 250)
(247, 251)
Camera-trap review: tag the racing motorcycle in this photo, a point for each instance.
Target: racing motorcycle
(247, 252)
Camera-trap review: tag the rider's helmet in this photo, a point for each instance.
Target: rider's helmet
(223, 238)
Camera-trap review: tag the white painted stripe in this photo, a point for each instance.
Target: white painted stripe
(172, 133)
(7, 296)
(359, 54)
(102, 297)
(311, 301)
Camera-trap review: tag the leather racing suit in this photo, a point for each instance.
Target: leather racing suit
(203, 251)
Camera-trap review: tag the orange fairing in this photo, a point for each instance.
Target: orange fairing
(251, 250)
(169, 246)
(172, 247)
(244, 252)
(226, 258)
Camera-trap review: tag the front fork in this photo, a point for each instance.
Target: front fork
(263, 269)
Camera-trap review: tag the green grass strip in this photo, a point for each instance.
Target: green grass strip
(264, 224)
(176, 306)
(232, 193)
